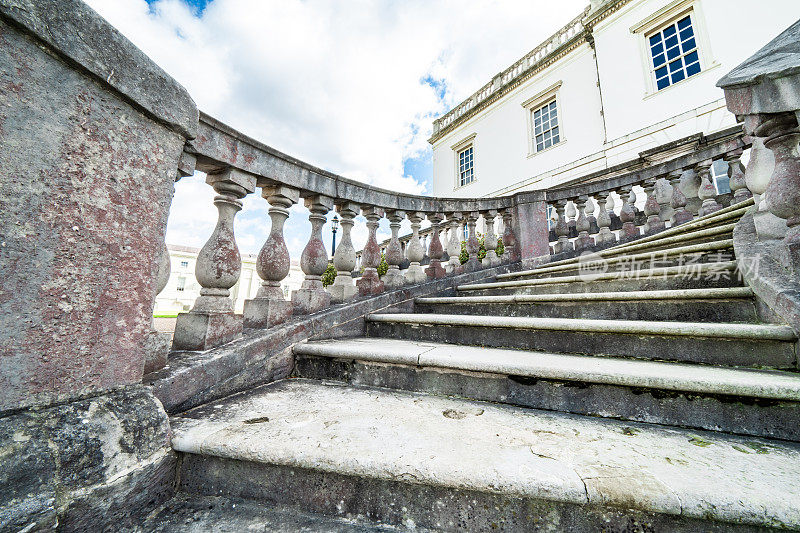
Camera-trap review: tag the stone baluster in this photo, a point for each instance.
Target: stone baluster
(344, 259)
(435, 250)
(490, 240)
(562, 228)
(394, 252)
(472, 242)
(414, 251)
(212, 322)
(782, 135)
(690, 185)
(594, 229)
(627, 214)
(583, 242)
(663, 192)
(312, 296)
(604, 203)
(652, 208)
(453, 244)
(707, 191)
(757, 175)
(510, 250)
(572, 213)
(269, 307)
(736, 179)
(680, 215)
(370, 283)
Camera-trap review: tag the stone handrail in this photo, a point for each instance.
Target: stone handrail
(533, 61)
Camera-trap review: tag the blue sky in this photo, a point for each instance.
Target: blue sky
(350, 86)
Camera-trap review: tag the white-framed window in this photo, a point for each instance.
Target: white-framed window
(674, 45)
(464, 161)
(184, 264)
(544, 119)
(545, 126)
(674, 53)
(181, 284)
(466, 166)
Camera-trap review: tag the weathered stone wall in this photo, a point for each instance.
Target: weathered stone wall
(86, 464)
(85, 186)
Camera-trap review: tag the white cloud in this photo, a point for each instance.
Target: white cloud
(338, 84)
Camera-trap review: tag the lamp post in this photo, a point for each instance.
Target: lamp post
(334, 228)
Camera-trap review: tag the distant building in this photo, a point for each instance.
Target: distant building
(182, 288)
(623, 77)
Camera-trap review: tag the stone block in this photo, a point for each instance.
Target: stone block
(156, 351)
(310, 298)
(266, 312)
(342, 289)
(88, 458)
(201, 331)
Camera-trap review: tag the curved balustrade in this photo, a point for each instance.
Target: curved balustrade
(615, 205)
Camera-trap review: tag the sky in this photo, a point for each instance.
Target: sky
(352, 86)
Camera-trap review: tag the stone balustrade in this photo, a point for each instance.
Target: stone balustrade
(678, 190)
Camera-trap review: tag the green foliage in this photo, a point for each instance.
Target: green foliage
(383, 266)
(329, 275)
(464, 257)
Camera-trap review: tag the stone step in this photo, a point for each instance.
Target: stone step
(734, 304)
(744, 401)
(752, 345)
(615, 285)
(711, 251)
(457, 465)
(201, 514)
(724, 269)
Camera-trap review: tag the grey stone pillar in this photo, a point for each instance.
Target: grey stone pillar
(453, 244)
(394, 252)
(562, 228)
(652, 208)
(490, 240)
(344, 259)
(605, 235)
(212, 322)
(312, 296)
(680, 215)
(736, 179)
(370, 283)
(414, 251)
(627, 214)
(269, 307)
(435, 249)
(584, 241)
(690, 184)
(473, 245)
(510, 253)
(707, 191)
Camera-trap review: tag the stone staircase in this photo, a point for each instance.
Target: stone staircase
(641, 389)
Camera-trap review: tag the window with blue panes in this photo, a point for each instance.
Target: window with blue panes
(674, 53)
(545, 126)
(466, 173)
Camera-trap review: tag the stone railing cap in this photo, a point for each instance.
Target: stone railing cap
(78, 33)
(779, 58)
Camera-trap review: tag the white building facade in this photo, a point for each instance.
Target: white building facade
(182, 288)
(623, 77)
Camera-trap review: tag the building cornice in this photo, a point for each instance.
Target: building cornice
(558, 45)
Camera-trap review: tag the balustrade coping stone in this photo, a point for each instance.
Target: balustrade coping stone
(86, 40)
(669, 294)
(259, 356)
(219, 145)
